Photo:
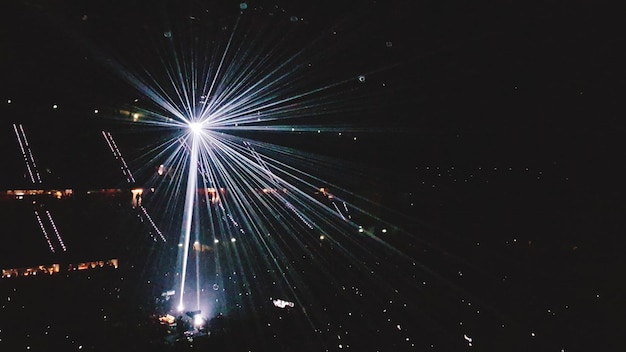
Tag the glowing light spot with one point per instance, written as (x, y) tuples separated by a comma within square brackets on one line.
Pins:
[(195, 127), (282, 303), (198, 320)]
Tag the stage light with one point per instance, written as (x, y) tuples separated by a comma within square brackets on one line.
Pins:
[(198, 320), (195, 127)]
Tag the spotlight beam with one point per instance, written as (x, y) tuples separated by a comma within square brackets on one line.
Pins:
[(192, 177)]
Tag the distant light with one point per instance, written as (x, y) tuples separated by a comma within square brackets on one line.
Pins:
[(233, 239), (95, 111), (181, 308), (216, 241), (9, 101), (282, 303), (55, 106)]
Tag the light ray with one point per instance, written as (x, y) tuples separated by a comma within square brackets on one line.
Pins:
[(190, 197), (253, 213)]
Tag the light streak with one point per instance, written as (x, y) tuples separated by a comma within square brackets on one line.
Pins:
[(56, 231), (35, 178), (45, 233), (145, 213), (131, 179), (27, 154), (118, 156)]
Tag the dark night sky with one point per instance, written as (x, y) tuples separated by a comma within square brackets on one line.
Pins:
[(503, 82), (496, 121)]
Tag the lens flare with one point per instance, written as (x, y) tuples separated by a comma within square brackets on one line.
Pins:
[(195, 127), (256, 211)]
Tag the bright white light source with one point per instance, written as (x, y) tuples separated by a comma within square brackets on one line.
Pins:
[(282, 304), (198, 320), (195, 127)]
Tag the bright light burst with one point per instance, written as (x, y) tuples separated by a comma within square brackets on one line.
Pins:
[(256, 218), (195, 127)]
